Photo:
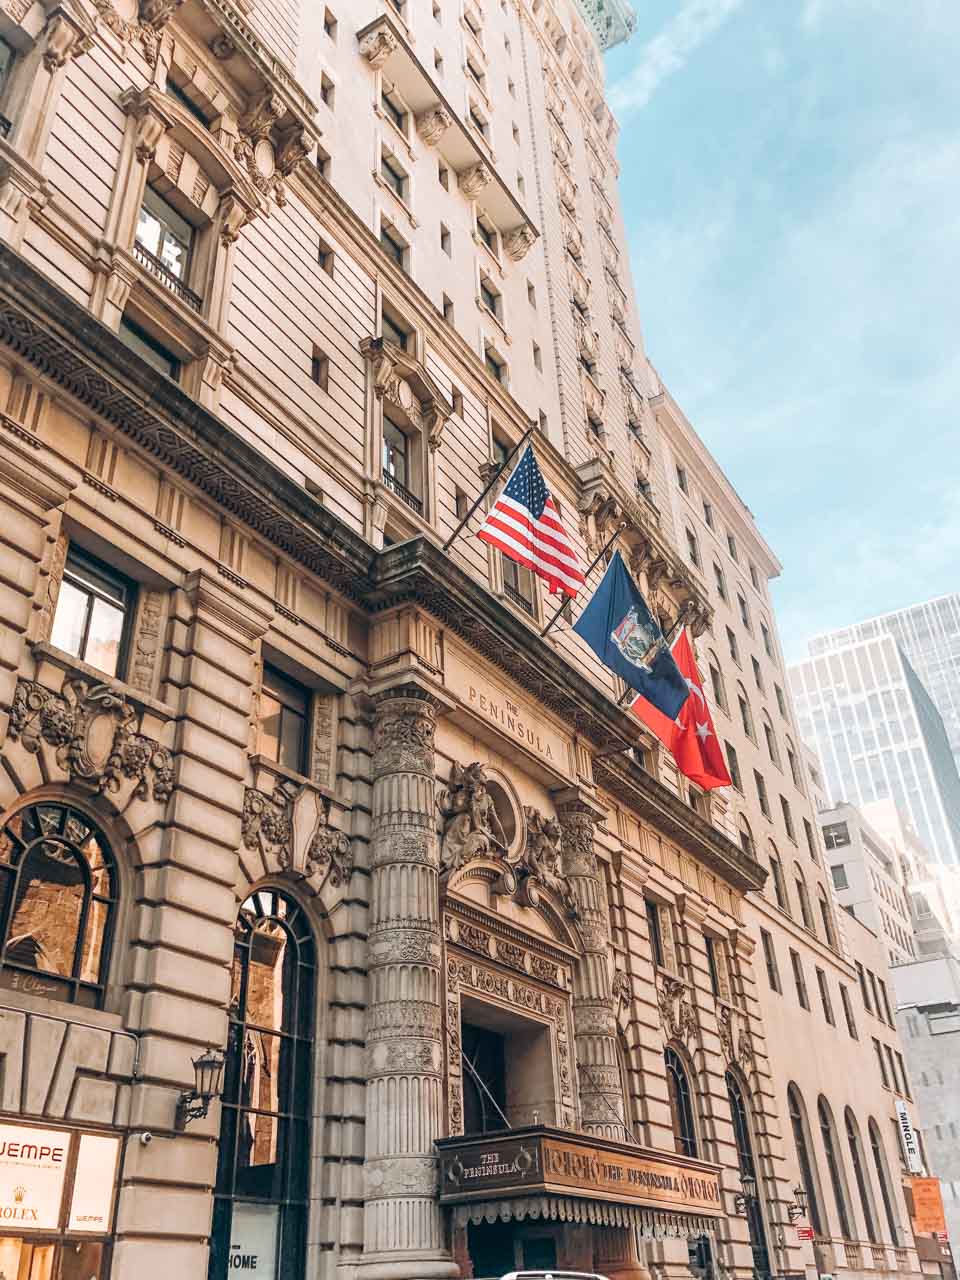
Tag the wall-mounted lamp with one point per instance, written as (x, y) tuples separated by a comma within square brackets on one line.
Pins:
[(799, 1207), (194, 1104), (749, 1194)]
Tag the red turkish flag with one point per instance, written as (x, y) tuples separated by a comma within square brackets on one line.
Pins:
[(691, 738)]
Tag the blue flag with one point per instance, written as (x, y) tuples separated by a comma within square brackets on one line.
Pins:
[(625, 636)]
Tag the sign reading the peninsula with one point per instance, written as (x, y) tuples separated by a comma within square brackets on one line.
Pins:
[(550, 1161), (515, 719)]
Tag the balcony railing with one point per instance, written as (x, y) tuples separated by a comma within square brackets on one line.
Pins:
[(903, 1259), (518, 598), (879, 1256), (403, 493), (166, 277), (853, 1255)]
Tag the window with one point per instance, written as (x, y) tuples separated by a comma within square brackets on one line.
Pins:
[(865, 994), (438, 61), (394, 330), (798, 1122), (518, 585), (836, 835), (479, 122), (767, 641), (873, 991), (781, 701), (746, 837), (811, 840), (655, 931), (710, 946), (445, 241), (148, 348), (826, 918), (806, 914), (490, 297), (393, 174), (787, 818), (94, 610), (799, 980), (770, 958), (394, 110), (770, 738), (748, 1168), (779, 885), (732, 546), (681, 1105), (320, 369), (282, 735), (496, 366), (693, 549), (329, 25), (859, 1173), (59, 889), (883, 1177), (757, 674), (531, 293), (754, 577), (794, 768), (716, 683), (733, 766), (262, 1181), (476, 75), (848, 1013), (537, 359), (762, 793), (327, 90), (721, 581), (443, 175), (903, 1077), (323, 163), (395, 247), (708, 514), (165, 234), (828, 1136), (839, 875), (885, 1002), (446, 309), (881, 1063), (732, 646), (682, 479), (743, 610), (891, 1067), (488, 234), (325, 257), (825, 997)]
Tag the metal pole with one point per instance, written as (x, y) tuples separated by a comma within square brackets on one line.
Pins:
[(493, 480), (563, 603)]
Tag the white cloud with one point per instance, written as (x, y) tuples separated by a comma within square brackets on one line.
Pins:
[(669, 50)]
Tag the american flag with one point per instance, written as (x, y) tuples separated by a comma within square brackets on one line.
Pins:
[(525, 525)]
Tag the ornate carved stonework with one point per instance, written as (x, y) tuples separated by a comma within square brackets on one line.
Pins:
[(62, 40), (471, 827), (621, 987), (403, 737), (146, 641), (57, 559), (518, 242), (677, 1016), (736, 1042), (472, 181), (93, 729), (540, 863), (279, 827), (407, 385), (433, 124), (377, 46)]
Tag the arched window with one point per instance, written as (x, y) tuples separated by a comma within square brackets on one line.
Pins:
[(716, 680), (773, 750), (826, 917), (883, 1177), (776, 875), (263, 1173), (861, 1175), (803, 896), (746, 836), (832, 1152), (748, 1169), (798, 1122), (681, 1104), (58, 890), (627, 1084), (746, 716)]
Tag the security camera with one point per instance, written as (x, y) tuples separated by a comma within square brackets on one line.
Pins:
[(146, 1139)]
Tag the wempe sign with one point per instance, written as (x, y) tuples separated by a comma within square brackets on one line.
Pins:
[(32, 1167)]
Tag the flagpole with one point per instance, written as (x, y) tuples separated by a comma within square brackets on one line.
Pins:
[(493, 480), (563, 603)]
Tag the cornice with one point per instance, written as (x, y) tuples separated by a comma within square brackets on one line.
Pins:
[(73, 349)]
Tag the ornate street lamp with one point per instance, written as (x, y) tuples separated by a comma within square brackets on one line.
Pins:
[(799, 1207), (194, 1104), (749, 1194)]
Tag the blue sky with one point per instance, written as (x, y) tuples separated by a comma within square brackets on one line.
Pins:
[(790, 173)]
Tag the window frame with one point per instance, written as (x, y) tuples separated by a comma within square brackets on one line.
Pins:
[(78, 563), (274, 683)]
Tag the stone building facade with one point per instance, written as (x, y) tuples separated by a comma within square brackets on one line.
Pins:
[(285, 778)]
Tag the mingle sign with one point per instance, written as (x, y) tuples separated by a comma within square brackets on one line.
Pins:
[(539, 1160), (911, 1147)]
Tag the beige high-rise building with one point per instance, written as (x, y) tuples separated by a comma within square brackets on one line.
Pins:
[(348, 928)]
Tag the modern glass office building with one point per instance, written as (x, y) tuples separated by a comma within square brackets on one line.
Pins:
[(864, 709)]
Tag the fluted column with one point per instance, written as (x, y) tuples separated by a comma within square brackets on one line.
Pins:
[(594, 1016), (403, 1238)]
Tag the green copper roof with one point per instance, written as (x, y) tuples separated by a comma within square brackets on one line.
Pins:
[(611, 20)]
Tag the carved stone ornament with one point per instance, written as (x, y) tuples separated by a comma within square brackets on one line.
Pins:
[(433, 124), (403, 734), (402, 381), (676, 1012), (736, 1042), (620, 988), (471, 827), (518, 242), (540, 863), (93, 729), (377, 46), (292, 827), (62, 40), (270, 157), (472, 181)]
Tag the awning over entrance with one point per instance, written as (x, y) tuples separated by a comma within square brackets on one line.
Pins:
[(650, 1223), (537, 1172)]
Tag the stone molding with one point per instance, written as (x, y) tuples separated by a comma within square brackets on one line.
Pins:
[(405, 383), (290, 826), (678, 1017), (736, 1041), (93, 730)]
